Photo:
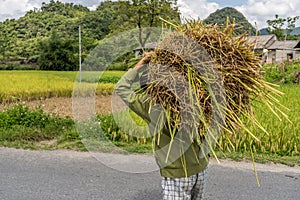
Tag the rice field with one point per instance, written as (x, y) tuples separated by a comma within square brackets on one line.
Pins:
[(29, 85), (283, 137)]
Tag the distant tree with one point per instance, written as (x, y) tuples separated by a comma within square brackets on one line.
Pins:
[(58, 53), (144, 13), (96, 24), (220, 17), (9, 36), (281, 27), (66, 9), (291, 24), (3, 41)]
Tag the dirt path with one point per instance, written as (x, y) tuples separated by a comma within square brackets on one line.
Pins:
[(63, 105)]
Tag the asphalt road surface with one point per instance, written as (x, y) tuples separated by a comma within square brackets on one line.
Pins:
[(57, 175)]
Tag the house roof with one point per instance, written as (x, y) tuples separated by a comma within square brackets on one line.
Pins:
[(288, 44), (262, 41)]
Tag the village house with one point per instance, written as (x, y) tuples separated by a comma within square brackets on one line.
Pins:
[(274, 51), (284, 51)]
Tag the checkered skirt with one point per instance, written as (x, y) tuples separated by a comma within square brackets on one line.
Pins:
[(190, 188)]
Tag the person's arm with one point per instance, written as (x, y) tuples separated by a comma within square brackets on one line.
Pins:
[(139, 103)]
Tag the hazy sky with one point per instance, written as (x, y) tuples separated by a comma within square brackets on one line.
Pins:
[(256, 11)]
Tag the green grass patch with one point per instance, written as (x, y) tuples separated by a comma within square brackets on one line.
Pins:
[(21, 127), (283, 73)]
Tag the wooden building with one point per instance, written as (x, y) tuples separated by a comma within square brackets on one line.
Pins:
[(281, 51), (274, 51)]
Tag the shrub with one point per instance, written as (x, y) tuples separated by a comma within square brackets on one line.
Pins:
[(274, 73), (20, 123)]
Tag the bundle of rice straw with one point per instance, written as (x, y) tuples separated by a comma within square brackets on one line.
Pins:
[(201, 68)]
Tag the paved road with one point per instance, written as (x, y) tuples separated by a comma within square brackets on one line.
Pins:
[(56, 175)]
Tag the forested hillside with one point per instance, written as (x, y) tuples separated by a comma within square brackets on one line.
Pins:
[(220, 17), (55, 24), (49, 36)]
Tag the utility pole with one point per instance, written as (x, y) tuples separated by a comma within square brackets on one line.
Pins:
[(80, 70)]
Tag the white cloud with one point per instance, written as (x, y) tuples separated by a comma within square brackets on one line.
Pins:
[(16, 8), (260, 11), (89, 3), (256, 11), (93, 7), (197, 8)]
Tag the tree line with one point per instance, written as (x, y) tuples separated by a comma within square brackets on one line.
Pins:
[(48, 37)]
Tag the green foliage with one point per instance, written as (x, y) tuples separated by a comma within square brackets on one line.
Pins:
[(220, 17), (67, 9), (21, 123), (275, 73), (277, 25), (109, 126), (96, 24), (139, 14), (17, 66), (293, 37), (123, 63), (20, 115), (21, 37), (4, 41), (58, 53), (119, 66), (53, 29)]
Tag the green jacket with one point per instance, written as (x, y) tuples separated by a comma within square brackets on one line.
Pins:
[(172, 162)]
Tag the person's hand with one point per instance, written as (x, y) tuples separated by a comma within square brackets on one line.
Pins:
[(145, 60)]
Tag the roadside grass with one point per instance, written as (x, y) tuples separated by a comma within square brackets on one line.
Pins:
[(260, 158), (21, 127)]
